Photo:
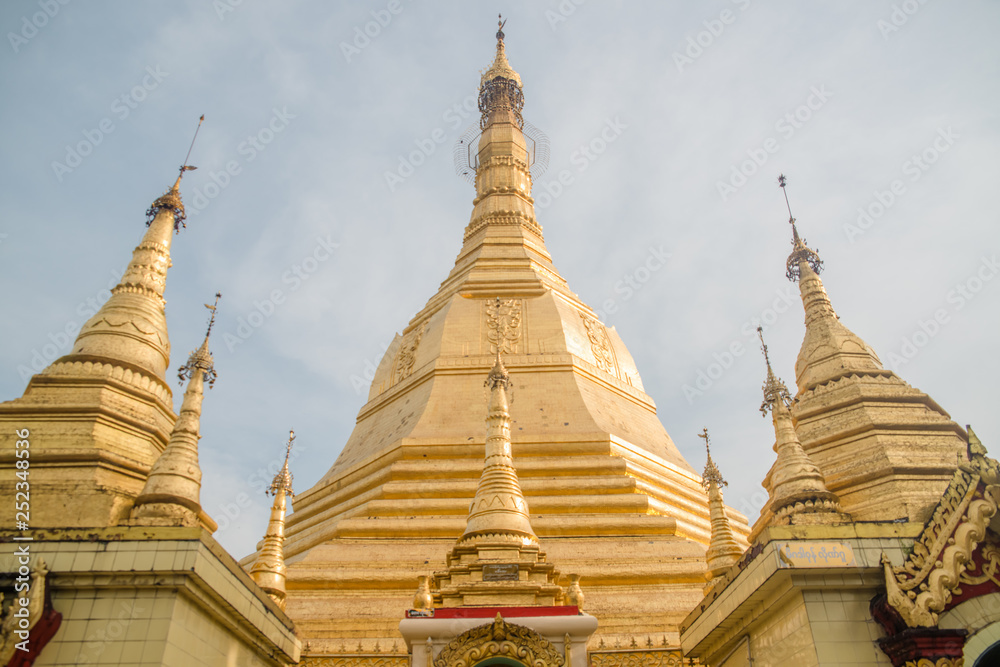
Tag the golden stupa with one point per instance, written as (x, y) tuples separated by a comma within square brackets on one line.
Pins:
[(611, 499)]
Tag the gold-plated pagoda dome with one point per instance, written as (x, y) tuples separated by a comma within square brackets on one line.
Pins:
[(269, 570)]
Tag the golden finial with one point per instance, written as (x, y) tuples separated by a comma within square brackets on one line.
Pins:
[(800, 252), (283, 480), (171, 201), (775, 390), (201, 358), (500, 86), (500, 24), (712, 473)]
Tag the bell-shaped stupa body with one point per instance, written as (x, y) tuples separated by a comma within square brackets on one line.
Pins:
[(611, 497)]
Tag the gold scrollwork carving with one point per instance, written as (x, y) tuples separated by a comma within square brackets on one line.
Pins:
[(924, 585), (600, 345), (356, 661), (407, 354), (942, 662), (503, 325), (499, 639), (652, 658)]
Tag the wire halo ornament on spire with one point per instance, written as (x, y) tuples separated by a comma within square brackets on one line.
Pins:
[(201, 359), (283, 480), (711, 473), (500, 88), (774, 389), (800, 251), (171, 200)]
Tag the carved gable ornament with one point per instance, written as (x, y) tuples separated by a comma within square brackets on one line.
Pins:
[(950, 552), (499, 639)]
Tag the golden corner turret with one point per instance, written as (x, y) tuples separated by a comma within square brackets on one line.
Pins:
[(849, 413), (103, 413), (485, 566), (171, 495), (268, 570), (723, 550)]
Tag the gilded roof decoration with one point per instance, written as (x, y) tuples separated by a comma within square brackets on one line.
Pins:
[(921, 588), (496, 640)]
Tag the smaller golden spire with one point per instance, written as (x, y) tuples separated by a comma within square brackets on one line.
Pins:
[(498, 559), (171, 495), (171, 199), (796, 483), (723, 550), (269, 570), (775, 390), (201, 359), (499, 507), (800, 251)]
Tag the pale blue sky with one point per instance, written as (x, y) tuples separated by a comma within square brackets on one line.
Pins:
[(130, 80)]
